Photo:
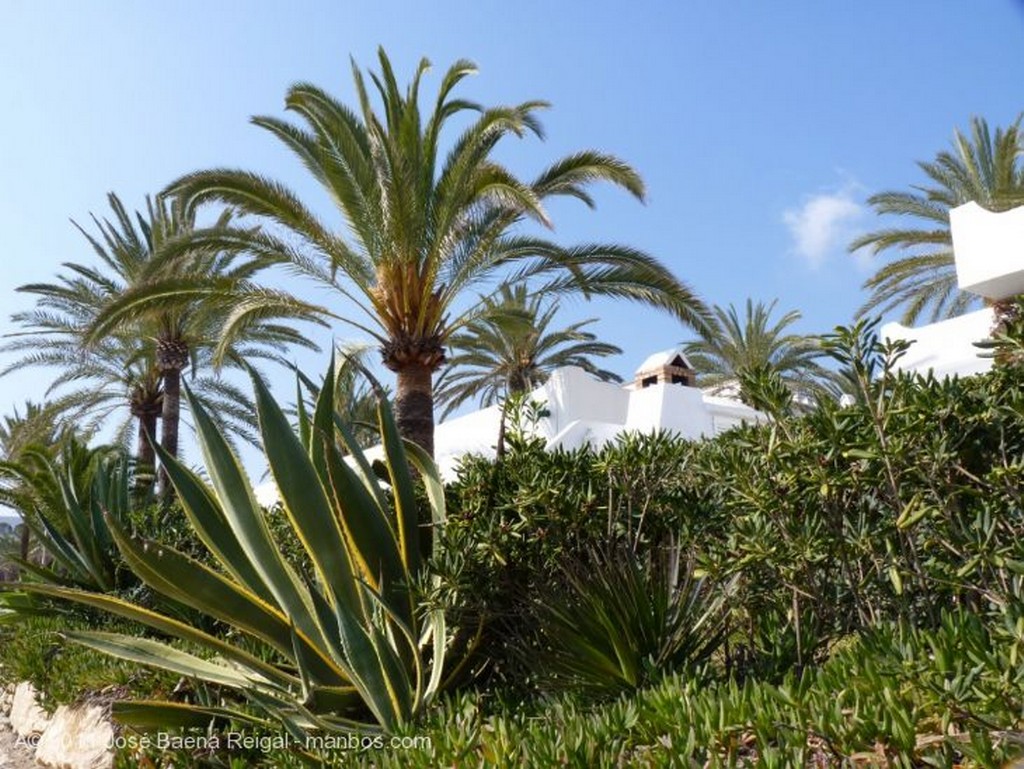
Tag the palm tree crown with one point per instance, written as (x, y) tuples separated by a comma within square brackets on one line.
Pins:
[(983, 168), (735, 345), (425, 225), (89, 324), (510, 349)]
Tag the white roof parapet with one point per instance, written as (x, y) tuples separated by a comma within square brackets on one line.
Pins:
[(945, 348), (988, 248)]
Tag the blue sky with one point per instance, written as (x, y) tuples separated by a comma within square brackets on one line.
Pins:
[(760, 128)]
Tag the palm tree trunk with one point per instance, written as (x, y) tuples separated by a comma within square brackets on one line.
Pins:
[(145, 456), (414, 405), (171, 419), (414, 413), (172, 356)]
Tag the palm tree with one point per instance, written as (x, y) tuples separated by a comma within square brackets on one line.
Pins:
[(425, 226), (38, 425), (88, 324), (180, 321), (510, 349), (103, 378), (982, 168), (736, 345)]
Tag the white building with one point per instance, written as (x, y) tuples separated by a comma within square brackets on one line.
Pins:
[(945, 348), (989, 252), (583, 410)]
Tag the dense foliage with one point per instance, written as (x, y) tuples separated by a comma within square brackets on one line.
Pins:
[(839, 585), (892, 509), (893, 697)]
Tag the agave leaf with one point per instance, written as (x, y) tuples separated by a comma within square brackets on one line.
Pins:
[(93, 560), (184, 579), (303, 497), (76, 521), (321, 428), (154, 715), (100, 533), (406, 509), (62, 550), (305, 427), (439, 637), (368, 677), (163, 624), (147, 651), (334, 699), (394, 664), (356, 453), (245, 517), (367, 530), (432, 482), (47, 575), (207, 518), (401, 691)]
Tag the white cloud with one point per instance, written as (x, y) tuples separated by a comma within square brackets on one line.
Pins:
[(823, 225)]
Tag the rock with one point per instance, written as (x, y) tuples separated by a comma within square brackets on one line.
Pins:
[(6, 697), (27, 718), (78, 737)]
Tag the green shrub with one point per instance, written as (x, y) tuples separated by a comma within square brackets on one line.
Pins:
[(894, 508), (829, 521), (515, 525)]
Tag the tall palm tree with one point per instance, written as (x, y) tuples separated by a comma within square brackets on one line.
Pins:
[(511, 349), (424, 225), (735, 345), (180, 321), (87, 324), (983, 168)]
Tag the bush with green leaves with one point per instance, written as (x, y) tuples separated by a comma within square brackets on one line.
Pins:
[(515, 525), (904, 503), (348, 645), (896, 507)]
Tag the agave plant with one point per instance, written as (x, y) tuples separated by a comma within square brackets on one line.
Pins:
[(347, 640), (626, 620), (63, 496)]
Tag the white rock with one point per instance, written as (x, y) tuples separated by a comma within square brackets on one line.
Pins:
[(6, 697), (78, 737), (27, 718)]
